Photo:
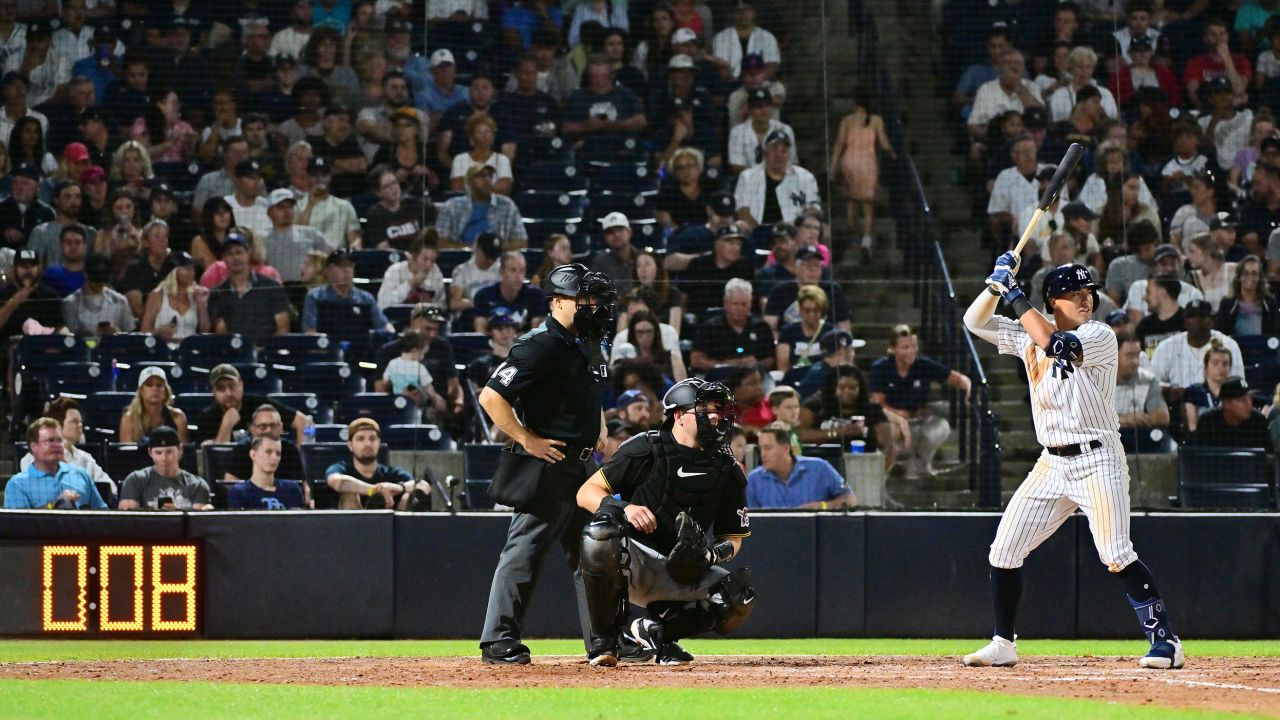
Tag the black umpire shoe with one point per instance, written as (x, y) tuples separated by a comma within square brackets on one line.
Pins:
[(603, 652), (505, 652)]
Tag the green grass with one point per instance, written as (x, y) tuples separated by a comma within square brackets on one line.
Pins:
[(43, 650), (59, 699)]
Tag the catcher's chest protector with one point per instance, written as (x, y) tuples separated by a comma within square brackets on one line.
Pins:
[(687, 479)]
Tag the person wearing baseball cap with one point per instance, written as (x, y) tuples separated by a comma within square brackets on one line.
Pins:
[(619, 257), (725, 262), (783, 244), (231, 412), (339, 308), (633, 409), (22, 211), (794, 188), (363, 482), (247, 204), (460, 221), (26, 297), (289, 244), (151, 408), (245, 301), (97, 309), (837, 347), (747, 139), (1234, 423), (480, 270), (1179, 358), (164, 485), (440, 92), (334, 216)]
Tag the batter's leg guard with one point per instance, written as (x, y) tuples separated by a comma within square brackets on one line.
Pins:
[(603, 561), (1144, 597), (732, 600)]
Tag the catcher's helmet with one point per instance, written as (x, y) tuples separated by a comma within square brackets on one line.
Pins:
[(1066, 278), (694, 394)]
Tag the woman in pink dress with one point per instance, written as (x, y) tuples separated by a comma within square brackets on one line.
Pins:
[(854, 161)]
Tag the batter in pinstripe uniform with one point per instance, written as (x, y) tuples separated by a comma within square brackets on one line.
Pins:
[(1071, 367)]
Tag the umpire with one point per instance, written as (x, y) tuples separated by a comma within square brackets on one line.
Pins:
[(553, 375)]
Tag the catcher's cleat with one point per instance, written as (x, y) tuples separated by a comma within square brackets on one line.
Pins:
[(648, 635), (997, 653), (1164, 655), (505, 652), (630, 650), (672, 654)]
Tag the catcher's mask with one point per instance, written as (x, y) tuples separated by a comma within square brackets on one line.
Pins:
[(701, 398)]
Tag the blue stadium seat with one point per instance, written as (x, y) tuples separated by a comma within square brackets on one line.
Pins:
[(550, 206), (553, 176), (536, 148), (623, 178), (179, 379), (468, 346), (101, 414), (131, 348), (794, 375), (479, 463), (1150, 441), (258, 379), (217, 459), (318, 456), (450, 258), (77, 379), (1225, 479), (372, 264), (192, 404), (1259, 349), (415, 437), (206, 351), (539, 230), (328, 381), (1263, 378), (34, 354), (398, 315), (287, 352), (385, 409), (330, 433), (306, 403), (123, 458), (533, 259)]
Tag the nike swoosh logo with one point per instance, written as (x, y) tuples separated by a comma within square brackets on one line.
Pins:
[(681, 473)]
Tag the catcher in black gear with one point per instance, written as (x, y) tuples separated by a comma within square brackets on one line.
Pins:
[(648, 546)]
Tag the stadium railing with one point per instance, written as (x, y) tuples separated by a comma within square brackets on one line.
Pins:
[(940, 326)]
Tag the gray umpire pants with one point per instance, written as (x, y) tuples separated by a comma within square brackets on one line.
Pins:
[(552, 517)]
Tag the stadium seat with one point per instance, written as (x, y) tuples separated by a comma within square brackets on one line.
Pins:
[(257, 378), (306, 403), (372, 264), (101, 414), (552, 176), (179, 379), (77, 379), (539, 230), (318, 456), (468, 346), (130, 348), (192, 404), (535, 206), (1259, 349), (536, 148), (415, 437), (217, 459), (330, 433), (623, 178), (450, 258), (1151, 441), (206, 351), (123, 458), (794, 375), (479, 463), (34, 354), (1263, 378), (385, 409), (287, 352), (328, 381), (533, 259), (832, 453), (1225, 479)]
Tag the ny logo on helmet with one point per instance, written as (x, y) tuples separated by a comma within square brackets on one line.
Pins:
[(1082, 274)]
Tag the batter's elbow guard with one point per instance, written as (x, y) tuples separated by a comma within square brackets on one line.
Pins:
[(1065, 346), (732, 599)]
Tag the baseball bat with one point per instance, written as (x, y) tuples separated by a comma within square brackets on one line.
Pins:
[(1065, 170)]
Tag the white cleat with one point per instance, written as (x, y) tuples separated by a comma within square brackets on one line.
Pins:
[(1165, 655), (998, 653)]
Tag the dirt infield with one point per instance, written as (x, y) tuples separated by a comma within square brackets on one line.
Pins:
[(1233, 684)]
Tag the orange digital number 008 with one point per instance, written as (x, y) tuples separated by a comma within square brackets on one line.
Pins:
[(115, 620)]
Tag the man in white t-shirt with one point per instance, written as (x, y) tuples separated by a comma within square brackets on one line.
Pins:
[(733, 43)]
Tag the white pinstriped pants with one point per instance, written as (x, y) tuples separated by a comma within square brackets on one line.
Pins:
[(1097, 482)]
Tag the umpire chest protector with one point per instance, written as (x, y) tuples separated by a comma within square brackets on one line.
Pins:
[(678, 479)]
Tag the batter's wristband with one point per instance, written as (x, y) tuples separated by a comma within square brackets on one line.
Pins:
[(1020, 304)]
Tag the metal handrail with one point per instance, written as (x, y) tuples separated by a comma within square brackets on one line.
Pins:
[(932, 288)]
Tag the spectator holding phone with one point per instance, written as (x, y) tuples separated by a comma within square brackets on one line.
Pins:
[(164, 485)]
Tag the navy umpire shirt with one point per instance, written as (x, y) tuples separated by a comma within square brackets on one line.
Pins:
[(550, 382)]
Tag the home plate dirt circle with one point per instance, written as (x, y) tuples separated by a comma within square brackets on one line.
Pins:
[(1231, 684)]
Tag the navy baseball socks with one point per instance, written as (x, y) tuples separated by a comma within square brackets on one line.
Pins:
[(1144, 598), (1006, 592)]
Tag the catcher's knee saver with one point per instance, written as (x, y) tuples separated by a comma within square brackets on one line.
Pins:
[(602, 562), (733, 598)]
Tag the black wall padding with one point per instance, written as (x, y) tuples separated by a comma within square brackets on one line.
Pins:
[(297, 575), (927, 577), (69, 524), (1219, 575), (842, 583)]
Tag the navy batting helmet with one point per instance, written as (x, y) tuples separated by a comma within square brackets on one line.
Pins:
[(1067, 278)]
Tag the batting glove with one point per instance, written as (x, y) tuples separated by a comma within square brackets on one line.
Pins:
[(1009, 260), (1001, 282)]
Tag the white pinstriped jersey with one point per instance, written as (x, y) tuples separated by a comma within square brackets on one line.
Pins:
[(1069, 407)]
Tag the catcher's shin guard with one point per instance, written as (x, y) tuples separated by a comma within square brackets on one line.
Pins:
[(602, 562), (732, 600)]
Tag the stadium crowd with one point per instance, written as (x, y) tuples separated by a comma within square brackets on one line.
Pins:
[(222, 223), (1175, 208)]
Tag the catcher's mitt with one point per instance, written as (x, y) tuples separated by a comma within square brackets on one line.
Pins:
[(690, 558)]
